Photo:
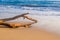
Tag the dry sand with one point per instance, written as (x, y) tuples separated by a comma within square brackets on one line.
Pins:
[(22, 33)]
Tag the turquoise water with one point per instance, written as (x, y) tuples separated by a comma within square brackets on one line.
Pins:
[(37, 5), (32, 3)]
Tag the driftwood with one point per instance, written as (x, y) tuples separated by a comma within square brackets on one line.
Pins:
[(3, 21), (18, 16)]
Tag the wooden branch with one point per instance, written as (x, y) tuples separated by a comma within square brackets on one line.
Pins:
[(6, 24), (8, 19), (34, 21)]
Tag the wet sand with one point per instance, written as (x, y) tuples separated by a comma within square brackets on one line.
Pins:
[(22, 33)]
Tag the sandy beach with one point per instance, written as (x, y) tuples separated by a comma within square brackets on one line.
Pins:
[(22, 33), (38, 31)]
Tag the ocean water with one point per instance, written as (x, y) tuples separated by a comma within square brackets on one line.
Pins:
[(43, 6)]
